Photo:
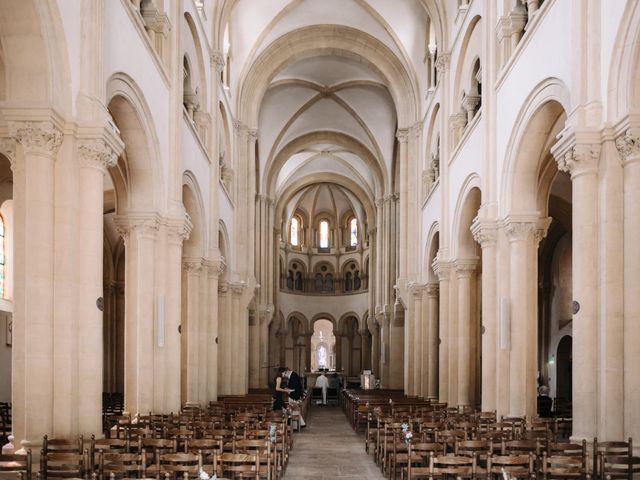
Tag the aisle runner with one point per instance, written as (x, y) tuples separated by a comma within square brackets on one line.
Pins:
[(329, 448)]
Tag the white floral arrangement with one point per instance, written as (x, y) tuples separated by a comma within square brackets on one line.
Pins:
[(205, 476), (406, 433), (272, 433)]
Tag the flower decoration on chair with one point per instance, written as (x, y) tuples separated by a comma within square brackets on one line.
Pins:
[(272, 433), (202, 475), (407, 434)]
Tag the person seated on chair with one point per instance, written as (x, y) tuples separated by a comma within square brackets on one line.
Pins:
[(544, 402), (323, 382), (295, 390)]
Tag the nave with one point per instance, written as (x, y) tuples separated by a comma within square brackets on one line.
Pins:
[(329, 448)]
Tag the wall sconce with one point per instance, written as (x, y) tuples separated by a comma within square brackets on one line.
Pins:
[(552, 360)]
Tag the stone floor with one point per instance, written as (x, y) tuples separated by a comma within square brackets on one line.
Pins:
[(329, 448)]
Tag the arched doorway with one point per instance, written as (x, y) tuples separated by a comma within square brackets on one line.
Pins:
[(323, 346), (564, 360)]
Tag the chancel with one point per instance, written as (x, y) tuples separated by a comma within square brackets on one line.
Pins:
[(432, 203)]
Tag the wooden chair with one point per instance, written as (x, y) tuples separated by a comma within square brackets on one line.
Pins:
[(560, 466), (178, 465), (240, 466), (262, 448), (612, 448), (113, 445), (17, 464), (62, 445), (624, 466), (449, 438), (118, 465), (515, 466), (62, 465), (156, 446), (444, 466)]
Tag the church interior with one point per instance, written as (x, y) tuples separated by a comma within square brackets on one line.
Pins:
[(434, 202)]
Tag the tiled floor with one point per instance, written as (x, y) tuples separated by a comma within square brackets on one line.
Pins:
[(329, 448)]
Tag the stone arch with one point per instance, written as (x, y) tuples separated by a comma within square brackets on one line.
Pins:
[(138, 176), (359, 191), (202, 81), (345, 317), (337, 40), (323, 316), (624, 68), (194, 246), (527, 173), (462, 67), (34, 54), (431, 251), (306, 326), (467, 206), (275, 164)]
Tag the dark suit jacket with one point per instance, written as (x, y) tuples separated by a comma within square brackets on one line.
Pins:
[(295, 384)]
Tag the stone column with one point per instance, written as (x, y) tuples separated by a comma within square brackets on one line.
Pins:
[(32, 349), (465, 273), (442, 270), (403, 218), (581, 161), (416, 344), (239, 339), (224, 339), (485, 233), (628, 145), (178, 231), (307, 347), (433, 290), (95, 156), (339, 337), (139, 232), (215, 268), (189, 331), (524, 233)]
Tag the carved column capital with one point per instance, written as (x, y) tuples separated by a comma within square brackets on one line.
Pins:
[(37, 137), (215, 267), (523, 228), (143, 224), (237, 288), (433, 290), (179, 229), (485, 232), (192, 266), (416, 289), (8, 149), (465, 267), (442, 62), (223, 287), (217, 59), (402, 135), (628, 146), (441, 268), (97, 153), (577, 152)]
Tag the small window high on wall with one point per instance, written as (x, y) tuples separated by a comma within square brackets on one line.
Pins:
[(295, 230), (353, 228), (324, 234)]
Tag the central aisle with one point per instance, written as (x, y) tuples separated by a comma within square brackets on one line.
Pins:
[(329, 448)]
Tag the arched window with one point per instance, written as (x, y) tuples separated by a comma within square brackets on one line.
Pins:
[(324, 234), (2, 258), (295, 229), (353, 228)]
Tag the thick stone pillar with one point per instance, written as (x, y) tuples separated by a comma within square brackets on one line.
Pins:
[(178, 231), (339, 337), (215, 268), (139, 232), (32, 349), (485, 233), (581, 161), (365, 349), (628, 145), (465, 273), (524, 233), (95, 156), (224, 339), (239, 368), (403, 217), (442, 270), (189, 331), (415, 343), (433, 291)]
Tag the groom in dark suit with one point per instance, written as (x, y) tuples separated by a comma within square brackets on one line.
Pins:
[(294, 384)]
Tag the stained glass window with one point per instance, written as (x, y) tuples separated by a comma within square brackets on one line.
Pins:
[(2, 257), (324, 234), (295, 227), (353, 226)]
